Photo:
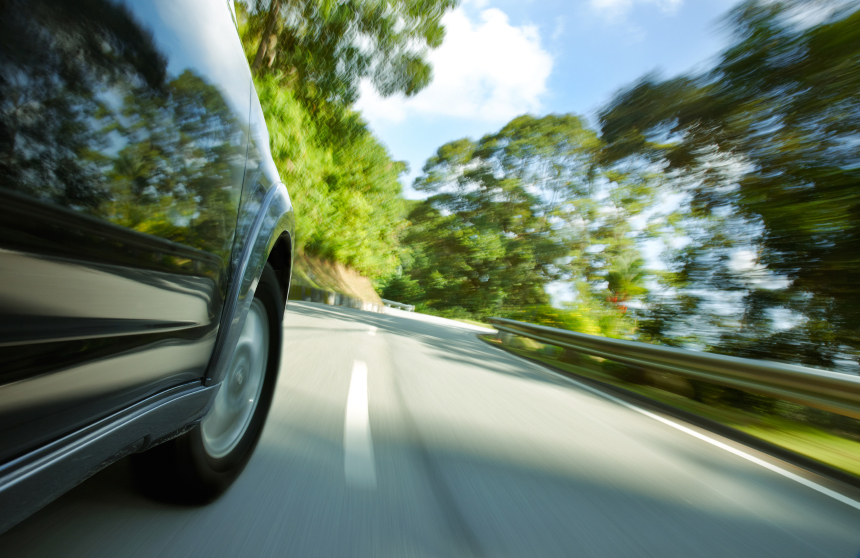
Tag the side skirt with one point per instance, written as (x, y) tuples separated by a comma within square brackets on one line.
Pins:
[(35, 479)]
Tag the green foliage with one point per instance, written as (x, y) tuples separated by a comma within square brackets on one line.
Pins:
[(325, 48), (402, 287), (574, 318), (309, 58), (747, 173), (521, 208), (764, 146), (484, 239), (346, 191)]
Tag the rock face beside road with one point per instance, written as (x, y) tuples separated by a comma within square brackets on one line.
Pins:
[(399, 435)]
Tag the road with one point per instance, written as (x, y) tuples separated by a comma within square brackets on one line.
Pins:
[(391, 436)]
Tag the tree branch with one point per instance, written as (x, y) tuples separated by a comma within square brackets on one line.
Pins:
[(267, 41)]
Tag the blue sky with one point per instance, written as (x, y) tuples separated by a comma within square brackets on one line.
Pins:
[(503, 58)]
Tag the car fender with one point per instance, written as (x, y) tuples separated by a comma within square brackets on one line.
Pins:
[(274, 222)]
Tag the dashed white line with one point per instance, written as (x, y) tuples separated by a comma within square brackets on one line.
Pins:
[(358, 464), (787, 474), (371, 331)]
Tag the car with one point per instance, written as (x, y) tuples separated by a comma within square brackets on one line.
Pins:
[(146, 245)]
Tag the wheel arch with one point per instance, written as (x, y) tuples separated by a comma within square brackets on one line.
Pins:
[(281, 260), (271, 242)]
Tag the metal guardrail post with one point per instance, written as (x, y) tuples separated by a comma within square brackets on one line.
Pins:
[(831, 391), (407, 307)]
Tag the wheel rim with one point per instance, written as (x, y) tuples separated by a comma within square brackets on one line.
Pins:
[(231, 413)]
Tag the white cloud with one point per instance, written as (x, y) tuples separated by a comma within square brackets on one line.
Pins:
[(617, 9), (489, 70)]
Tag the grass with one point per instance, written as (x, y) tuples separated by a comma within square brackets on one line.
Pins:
[(826, 447)]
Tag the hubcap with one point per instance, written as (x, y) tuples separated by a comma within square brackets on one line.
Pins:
[(234, 405)]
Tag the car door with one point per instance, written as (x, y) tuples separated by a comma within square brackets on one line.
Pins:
[(123, 141)]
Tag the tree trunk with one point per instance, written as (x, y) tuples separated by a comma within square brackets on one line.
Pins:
[(266, 42)]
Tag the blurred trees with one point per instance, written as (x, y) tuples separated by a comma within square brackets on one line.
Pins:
[(485, 237), (325, 48), (742, 179), (517, 210), (765, 148), (746, 175), (309, 58), (346, 190)]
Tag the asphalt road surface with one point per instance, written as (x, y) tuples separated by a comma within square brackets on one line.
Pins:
[(397, 436)]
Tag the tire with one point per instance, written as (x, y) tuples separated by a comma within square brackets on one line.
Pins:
[(200, 465)]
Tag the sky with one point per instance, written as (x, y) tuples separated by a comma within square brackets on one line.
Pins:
[(504, 58)]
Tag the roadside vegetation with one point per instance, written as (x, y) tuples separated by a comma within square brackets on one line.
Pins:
[(716, 211), (308, 59)]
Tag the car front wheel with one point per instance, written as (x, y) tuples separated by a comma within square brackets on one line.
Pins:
[(201, 464)]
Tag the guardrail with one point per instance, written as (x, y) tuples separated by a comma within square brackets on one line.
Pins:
[(830, 391), (407, 307)]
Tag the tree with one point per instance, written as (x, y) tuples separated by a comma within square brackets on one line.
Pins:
[(497, 198), (325, 48), (346, 189), (780, 109), (518, 209)]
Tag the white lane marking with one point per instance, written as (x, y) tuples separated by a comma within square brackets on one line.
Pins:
[(371, 331), (787, 474), (358, 464)]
